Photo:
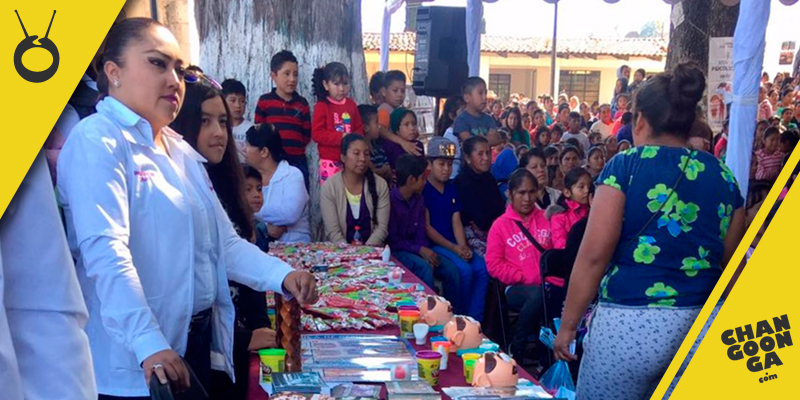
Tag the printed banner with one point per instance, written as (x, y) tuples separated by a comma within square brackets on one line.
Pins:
[(720, 81)]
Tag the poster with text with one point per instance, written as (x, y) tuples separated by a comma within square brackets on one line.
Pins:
[(720, 81)]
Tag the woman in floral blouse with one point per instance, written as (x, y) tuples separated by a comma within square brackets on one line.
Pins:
[(670, 220)]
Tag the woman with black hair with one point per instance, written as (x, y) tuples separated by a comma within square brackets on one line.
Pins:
[(205, 123), (670, 220), (535, 162), (519, 135), (481, 202), (154, 246), (285, 208), (516, 242), (355, 202)]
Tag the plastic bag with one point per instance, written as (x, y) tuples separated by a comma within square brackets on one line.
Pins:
[(547, 337), (558, 376), (564, 393)]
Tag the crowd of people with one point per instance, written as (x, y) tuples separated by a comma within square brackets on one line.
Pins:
[(171, 198)]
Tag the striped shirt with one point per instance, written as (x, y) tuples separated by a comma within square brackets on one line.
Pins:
[(769, 165), (292, 119)]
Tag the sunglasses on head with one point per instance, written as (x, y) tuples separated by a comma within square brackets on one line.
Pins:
[(194, 76)]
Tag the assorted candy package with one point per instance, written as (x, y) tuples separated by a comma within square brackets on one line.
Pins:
[(357, 290)]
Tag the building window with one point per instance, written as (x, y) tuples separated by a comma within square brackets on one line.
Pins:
[(500, 84), (584, 84)]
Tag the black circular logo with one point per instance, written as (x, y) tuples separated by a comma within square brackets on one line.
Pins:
[(27, 44)]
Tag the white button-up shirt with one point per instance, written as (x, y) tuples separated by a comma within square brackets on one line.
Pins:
[(44, 352), (131, 228)]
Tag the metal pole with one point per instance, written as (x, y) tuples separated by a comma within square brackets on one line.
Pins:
[(553, 54), (154, 9)]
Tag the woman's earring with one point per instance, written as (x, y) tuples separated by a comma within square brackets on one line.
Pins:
[(116, 83)]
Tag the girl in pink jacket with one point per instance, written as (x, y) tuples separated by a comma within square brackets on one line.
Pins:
[(516, 242), (571, 207)]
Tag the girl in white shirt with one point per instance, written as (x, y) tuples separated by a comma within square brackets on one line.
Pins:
[(154, 246)]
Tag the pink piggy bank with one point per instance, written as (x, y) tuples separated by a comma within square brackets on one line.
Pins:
[(495, 370), (463, 332), (436, 311)]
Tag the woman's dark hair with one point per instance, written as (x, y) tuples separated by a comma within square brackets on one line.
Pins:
[(757, 191), (372, 186), (119, 37), (332, 72), (771, 131), (532, 153), (376, 83), (518, 177), (668, 100), (570, 180), (624, 86), (515, 111), (569, 149), (557, 127), (266, 136), (595, 149), (451, 106), (550, 151), (539, 132), (471, 143), (226, 176)]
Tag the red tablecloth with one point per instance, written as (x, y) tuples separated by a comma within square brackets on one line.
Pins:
[(453, 376)]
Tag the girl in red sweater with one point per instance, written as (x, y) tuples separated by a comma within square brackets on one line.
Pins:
[(335, 115)]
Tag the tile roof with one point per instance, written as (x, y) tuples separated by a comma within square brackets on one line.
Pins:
[(643, 47)]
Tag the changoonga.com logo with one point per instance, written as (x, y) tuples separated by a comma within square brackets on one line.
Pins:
[(764, 341), (30, 42)]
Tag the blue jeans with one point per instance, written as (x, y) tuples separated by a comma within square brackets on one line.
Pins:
[(474, 281), (446, 272)]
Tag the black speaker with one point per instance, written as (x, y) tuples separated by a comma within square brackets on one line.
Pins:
[(440, 64)]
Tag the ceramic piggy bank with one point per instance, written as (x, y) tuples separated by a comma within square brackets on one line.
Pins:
[(436, 311), (495, 370), (463, 332)]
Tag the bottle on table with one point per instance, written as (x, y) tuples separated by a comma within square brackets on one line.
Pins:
[(357, 236)]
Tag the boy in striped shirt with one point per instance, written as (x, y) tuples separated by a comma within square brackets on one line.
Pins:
[(287, 110)]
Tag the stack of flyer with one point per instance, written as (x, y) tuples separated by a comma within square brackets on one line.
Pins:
[(411, 390), (299, 382)]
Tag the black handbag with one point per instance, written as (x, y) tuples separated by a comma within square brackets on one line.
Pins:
[(160, 391)]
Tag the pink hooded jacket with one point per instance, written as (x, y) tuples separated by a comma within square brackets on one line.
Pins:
[(562, 220), (510, 257)]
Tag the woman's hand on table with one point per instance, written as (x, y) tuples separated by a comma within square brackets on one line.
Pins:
[(168, 366), (561, 347), (302, 285), (262, 338)]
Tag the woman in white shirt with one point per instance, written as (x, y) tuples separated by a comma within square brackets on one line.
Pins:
[(154, 246), (285, 208)]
